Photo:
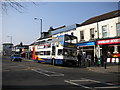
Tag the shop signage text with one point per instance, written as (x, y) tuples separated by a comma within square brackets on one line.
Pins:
[(108, 41)]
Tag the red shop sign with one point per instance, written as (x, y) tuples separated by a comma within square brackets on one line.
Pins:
[(108, 41)]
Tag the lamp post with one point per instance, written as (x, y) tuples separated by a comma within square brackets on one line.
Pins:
[(10, 38), (98, 46), (40, 25)]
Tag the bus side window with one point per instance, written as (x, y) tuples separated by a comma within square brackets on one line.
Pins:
[(47, 52), (36, 53), (42, 53), (60, 52)]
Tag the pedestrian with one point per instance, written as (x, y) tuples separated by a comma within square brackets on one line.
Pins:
[(102, 60), (89, 60), (79, 59), (84, 58), (96, 59), (105, 61)]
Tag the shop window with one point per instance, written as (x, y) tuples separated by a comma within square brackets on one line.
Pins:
[(104, 31), (118, 29), (92, 33), (81, 35)]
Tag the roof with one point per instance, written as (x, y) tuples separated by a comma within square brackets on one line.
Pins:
[(52, 29), (64, 29), (102, 17), (21, 46), (31, 44), (45, 32), (7, 44)]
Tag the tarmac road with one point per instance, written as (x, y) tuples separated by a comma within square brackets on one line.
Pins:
[(36, 76)]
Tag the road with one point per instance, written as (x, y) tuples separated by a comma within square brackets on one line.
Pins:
[(36, 76)]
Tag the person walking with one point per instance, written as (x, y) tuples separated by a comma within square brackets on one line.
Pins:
[(96, 59), (105, 61), (79, 59), (89, 60), (102, 59), (84, 58)]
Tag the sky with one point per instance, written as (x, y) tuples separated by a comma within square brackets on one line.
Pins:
[(23, 28)]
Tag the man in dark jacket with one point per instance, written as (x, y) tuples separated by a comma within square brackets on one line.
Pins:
[(79, 59)]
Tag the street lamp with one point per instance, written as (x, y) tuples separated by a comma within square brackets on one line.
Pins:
[(10, 38), (40, 25)]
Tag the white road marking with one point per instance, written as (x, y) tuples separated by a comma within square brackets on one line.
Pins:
[(42, 71), (98, 81), (75, 82), (108, 87), (46, 72)]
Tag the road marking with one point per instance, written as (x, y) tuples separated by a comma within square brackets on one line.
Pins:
[(47, 73), (76, 82), (107, 87), (42, 71), (98, 81)]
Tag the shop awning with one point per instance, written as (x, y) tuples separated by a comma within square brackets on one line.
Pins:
[(86, 44)]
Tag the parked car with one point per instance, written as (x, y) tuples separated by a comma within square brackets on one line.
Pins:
[(16, 57)]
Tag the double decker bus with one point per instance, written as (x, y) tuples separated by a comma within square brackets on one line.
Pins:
[(58, 50)]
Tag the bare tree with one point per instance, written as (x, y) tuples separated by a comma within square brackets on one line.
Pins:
[(6, 4)]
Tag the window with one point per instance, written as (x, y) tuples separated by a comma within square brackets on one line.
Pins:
[(72, 33), (36, 53), (47, 52), (92, 33), (42, 53), (118, 29), (104, 31), (67, 39), (60, 51), (81, 35), (68, 52)]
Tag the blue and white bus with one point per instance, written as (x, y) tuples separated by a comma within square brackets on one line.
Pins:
[(58, 50)]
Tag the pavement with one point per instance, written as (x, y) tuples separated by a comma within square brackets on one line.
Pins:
[(115, 69)]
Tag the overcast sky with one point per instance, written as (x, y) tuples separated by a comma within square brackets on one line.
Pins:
[(23, 28)]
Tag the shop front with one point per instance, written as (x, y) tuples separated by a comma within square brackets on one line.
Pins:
[(88, 48), (111, 45)]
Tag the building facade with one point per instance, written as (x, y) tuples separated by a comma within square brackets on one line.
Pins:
[(7, 49), (100, 34)]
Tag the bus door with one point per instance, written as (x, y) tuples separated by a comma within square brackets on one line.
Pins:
[(53, 54)]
